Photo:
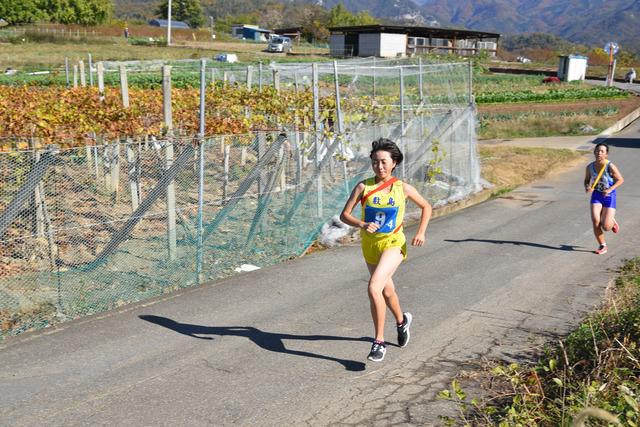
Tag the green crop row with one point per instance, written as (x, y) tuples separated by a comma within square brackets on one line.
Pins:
[(549, 95), (507, 117)]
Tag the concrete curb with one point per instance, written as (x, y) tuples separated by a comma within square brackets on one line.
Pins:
[(621, 124)]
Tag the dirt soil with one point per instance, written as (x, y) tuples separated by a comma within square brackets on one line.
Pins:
[(625, 106)]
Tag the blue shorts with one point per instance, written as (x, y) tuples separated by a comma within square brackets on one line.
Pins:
[(606, 201)]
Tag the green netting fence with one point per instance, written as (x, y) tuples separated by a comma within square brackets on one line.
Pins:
[(89, 229)]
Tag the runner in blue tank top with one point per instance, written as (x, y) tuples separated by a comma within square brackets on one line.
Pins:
[(601, 179)]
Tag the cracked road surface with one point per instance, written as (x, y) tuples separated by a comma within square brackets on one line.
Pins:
[(286, 345)]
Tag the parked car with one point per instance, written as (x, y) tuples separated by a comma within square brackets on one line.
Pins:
[(279, 44)]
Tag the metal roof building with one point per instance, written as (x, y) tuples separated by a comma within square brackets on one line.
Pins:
[(399, 40), (164, 23)]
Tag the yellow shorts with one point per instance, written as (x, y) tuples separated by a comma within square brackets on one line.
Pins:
[(372, 247)]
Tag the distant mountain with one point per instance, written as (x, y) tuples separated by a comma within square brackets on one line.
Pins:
[(580, 21), (590, 22), (397, 10)]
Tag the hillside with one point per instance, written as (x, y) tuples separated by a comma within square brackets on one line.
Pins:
[(589, 22), (580, 21)]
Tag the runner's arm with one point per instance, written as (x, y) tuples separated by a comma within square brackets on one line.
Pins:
[(587, 180), (617, 178), (346, 215), (413, 195)]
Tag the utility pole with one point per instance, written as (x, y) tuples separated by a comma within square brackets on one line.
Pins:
[(169, 24)]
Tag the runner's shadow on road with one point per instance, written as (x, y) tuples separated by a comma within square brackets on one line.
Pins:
[(267, 340), (566, 248)]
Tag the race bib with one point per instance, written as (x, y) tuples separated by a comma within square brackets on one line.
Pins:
[(384, 217)]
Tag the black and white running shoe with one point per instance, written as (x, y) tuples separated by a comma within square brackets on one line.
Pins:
[(377, 352), (403, 330)]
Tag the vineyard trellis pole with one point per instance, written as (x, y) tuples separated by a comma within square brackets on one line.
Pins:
[(133, 174), (66, 70), (124, 86), (171, 194), (249, 73), (75, 76), (90, 70), (101, 80), (83, 76), (276, 80)]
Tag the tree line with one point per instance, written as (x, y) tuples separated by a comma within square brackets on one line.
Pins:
[(84, 12), (314, 20)]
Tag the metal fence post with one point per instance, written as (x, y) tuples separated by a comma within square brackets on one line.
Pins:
[(470, 81), (66, 70), (402, 128), (316, 134), (199, 260), (374, 77), (420, 78), (171, 192), (340, 127)]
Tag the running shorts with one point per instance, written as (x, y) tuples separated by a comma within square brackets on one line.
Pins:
[(372, 247), (606, 201)]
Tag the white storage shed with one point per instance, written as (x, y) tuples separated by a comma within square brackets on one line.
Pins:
[(572, 67)]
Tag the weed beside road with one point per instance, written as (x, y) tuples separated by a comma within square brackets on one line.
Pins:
[(592, 373)]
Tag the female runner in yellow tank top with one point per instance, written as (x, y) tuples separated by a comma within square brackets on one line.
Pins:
[(383, 242)]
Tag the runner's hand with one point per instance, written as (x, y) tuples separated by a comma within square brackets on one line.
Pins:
[(371, 227), (418, 240)]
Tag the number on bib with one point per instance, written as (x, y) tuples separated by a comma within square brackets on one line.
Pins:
[(380, 217)]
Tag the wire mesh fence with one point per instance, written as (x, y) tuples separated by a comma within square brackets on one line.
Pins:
[(88, 229)]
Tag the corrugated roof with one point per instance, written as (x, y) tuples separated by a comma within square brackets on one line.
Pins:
[(165, 23), (415, 31)]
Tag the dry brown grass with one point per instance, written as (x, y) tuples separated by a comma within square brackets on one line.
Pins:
[(510, 167)]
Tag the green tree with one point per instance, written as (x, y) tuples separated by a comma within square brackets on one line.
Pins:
[(84, 12), (340, 16), (22, 11), (188, 11)]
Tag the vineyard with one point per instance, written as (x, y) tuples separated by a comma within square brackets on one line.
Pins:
[(114, 196)]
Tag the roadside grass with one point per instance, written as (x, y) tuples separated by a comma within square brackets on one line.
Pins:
[(592, 373), (541, 125), (511, 167)]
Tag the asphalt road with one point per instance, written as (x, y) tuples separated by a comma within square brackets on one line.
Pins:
[(286, 345)]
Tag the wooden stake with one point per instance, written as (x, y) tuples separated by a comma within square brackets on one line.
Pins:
[(124, 87)]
